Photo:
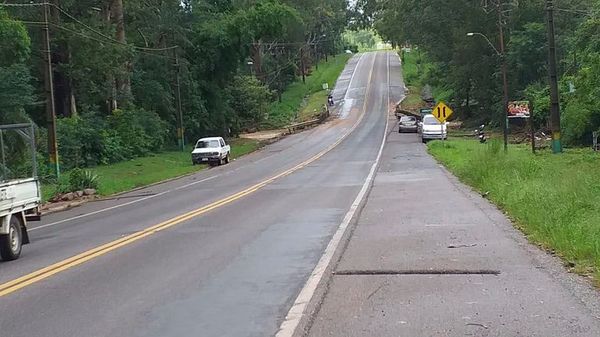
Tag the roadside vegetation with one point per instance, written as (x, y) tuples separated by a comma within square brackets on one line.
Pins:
[(552, 199), (465, 71), (138, 172), (122, 69), (362, 39), (299, 100)]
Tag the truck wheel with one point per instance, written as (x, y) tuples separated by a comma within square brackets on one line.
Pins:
[(227, 159), (10, 244)]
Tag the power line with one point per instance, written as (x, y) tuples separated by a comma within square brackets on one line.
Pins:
[(40, 23), (575, 11), (88, 27)]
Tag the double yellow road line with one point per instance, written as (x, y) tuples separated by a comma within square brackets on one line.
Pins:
[(81, 258)]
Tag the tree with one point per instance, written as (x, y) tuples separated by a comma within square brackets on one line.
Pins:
[(16, 91), (250, 100)]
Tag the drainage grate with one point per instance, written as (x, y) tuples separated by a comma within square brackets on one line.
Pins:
[(420, 272)]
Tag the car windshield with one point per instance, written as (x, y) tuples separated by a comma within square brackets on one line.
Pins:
[(430, 120), (407, 119), (202, 144)]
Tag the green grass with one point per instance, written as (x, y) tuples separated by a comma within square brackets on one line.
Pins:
[(298, 94), (410, 71), (312, 106), (144, 171), (553, 199), (413, 100)]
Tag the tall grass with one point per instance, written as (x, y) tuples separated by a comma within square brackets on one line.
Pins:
[(142, 171), (292, 100), (553, 199)]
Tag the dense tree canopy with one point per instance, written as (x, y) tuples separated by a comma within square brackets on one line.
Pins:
[(468, 68), (117, 62)]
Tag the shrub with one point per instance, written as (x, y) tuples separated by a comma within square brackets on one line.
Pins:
[(81, 179), (90, 139), (141, 132), (79, 142)]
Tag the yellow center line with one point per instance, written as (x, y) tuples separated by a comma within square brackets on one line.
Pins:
[(43, 273)]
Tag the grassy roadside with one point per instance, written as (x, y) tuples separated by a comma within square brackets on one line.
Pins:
[(410, 71), (417, 70), (552, 199), (144, 171), (300, 99), (299, 102)]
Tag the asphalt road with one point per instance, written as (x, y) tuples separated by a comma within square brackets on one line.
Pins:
[(429, 257), (252, 233)]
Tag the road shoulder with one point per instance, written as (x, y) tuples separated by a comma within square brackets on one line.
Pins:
[(429, 257)]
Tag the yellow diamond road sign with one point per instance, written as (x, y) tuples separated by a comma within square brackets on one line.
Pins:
[(442, 112)]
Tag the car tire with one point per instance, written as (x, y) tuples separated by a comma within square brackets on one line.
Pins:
[(11, 243), (227, 158)]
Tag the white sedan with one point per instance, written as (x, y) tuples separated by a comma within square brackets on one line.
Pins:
[(430, 128)]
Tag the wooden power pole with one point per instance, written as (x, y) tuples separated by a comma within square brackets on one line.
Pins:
[(50, 105), (553, 77)]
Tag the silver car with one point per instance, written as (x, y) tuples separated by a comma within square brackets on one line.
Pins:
[(407, 124)]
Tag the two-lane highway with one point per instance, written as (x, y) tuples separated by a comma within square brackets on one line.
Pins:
[(220, 253)]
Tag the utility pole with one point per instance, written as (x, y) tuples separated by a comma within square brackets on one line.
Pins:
[(504, 77), (553, 76), (180, 130), (302, 66), (50, 106)]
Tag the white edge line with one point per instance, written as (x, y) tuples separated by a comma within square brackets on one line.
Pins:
[(121, 205), (292, 319), (353, 73)]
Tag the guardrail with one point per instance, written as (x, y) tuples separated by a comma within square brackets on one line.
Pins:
[(303, 125)]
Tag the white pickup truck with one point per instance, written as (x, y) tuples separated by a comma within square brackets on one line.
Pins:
[(212, 150), (20, 198)]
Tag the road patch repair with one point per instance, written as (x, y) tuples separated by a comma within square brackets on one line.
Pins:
[(446, 263)]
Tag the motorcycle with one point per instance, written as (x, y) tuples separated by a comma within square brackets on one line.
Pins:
[(480, 133), (330, 100)]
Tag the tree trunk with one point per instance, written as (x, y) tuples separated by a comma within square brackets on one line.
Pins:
[(111, 98), (257, 60), (122, 82), (64, 96)]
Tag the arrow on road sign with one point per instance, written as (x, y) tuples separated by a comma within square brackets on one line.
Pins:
[(442, 112)]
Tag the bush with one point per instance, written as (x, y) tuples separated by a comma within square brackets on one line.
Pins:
[(81, 179), (90, 139), (141, 132), (250, 100), (79, 142)]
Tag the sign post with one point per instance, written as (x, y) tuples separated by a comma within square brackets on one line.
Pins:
[(522, 109), (442, 112)]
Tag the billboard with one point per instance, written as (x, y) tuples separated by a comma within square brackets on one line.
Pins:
[(519, 109)]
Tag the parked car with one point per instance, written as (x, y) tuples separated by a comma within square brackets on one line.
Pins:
[(407, 124), (211, 150), (430, 128)]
